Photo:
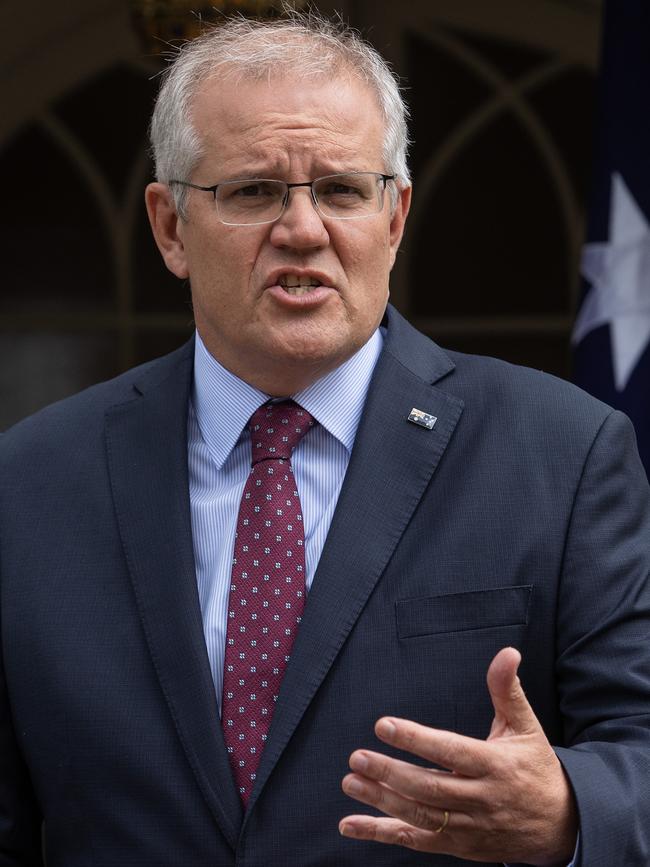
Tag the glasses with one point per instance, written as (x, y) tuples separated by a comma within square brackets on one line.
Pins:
[(253, 201)]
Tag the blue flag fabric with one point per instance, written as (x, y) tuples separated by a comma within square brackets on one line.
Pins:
[(612, 331)]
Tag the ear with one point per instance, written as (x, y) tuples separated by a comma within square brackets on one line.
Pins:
[(167, 228), (398, 220)]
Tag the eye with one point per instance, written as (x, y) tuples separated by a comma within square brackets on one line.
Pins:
[(347, 192), (339, 187), (250, 190), (253, 190)]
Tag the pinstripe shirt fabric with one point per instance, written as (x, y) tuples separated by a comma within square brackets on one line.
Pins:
[(219, 456)]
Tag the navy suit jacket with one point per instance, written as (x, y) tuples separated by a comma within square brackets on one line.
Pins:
[(522, 518)]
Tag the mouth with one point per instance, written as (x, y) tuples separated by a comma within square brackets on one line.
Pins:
[(294, 285), (299, 291)]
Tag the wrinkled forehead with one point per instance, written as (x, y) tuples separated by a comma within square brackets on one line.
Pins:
[(333, 125), (230, 99), (288, 128)]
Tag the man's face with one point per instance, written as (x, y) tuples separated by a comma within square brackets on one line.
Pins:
[(295, 131)]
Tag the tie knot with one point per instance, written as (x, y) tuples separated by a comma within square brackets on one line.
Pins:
[(276, 429)]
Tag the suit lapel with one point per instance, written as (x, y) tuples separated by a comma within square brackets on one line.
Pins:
[(391, 465), (147, 451)]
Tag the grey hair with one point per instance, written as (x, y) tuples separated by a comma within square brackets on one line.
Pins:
[(301, 43)]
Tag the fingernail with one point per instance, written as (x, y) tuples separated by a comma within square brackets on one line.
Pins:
[(385, 728), (358, 762), (346, 829), (353, 787)]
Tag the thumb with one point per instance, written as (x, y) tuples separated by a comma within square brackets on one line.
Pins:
[(512, 713)]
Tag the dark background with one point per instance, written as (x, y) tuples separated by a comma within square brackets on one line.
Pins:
[(502, 98)]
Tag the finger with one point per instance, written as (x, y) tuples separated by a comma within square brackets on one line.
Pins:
[(395, 832), (424, 816), (513, 713), (421, 784), (466, 756), (427, 817)]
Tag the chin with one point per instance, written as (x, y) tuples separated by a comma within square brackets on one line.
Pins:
[(311, 355)]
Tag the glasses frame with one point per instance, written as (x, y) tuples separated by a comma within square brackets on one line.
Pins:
[(285, 199)]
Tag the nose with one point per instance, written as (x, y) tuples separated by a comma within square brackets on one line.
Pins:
[(300, 226)]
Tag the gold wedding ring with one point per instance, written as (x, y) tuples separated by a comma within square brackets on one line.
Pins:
[(445, 821)]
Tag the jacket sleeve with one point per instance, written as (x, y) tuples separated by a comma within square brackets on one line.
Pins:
[(603, 651), (20, 819)]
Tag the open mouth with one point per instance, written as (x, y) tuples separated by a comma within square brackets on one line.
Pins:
[(294, 285)]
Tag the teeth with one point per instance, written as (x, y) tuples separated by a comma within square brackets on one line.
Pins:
[(292, 281), (298, 290)]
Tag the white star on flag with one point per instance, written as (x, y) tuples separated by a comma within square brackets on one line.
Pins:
[(619, 273)]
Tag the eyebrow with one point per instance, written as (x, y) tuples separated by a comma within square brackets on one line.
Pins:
[(274, 174)]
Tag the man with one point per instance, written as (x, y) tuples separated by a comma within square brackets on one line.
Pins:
[(461, 516)]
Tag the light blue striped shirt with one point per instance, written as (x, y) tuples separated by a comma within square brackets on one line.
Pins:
[(219, 454)]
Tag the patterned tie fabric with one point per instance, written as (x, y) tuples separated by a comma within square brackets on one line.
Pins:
[(267, 591)]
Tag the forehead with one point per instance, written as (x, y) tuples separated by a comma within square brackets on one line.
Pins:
[(284, 120)]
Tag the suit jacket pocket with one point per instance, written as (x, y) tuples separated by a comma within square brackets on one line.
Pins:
[(460, 612)]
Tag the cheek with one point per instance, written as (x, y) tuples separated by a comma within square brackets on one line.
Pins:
[(223, 266), (372, 266)]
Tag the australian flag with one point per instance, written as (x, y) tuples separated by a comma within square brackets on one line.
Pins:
[(611, 336)]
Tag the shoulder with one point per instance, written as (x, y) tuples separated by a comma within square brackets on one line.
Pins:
[(493, 384), (512, 411), (81, 417), (527, 416), (490, 387)]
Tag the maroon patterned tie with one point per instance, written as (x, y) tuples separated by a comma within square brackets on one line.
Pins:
[(267, 590)]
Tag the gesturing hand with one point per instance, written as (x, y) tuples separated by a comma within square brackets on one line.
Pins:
[(504, 799)]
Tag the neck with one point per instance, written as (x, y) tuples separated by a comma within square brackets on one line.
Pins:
[(285, 380), (281, 377)]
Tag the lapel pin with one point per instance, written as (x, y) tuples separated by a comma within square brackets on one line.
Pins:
[(417, 416)]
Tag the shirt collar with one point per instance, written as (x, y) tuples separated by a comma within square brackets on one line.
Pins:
[(336, 400), (223, 403)]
